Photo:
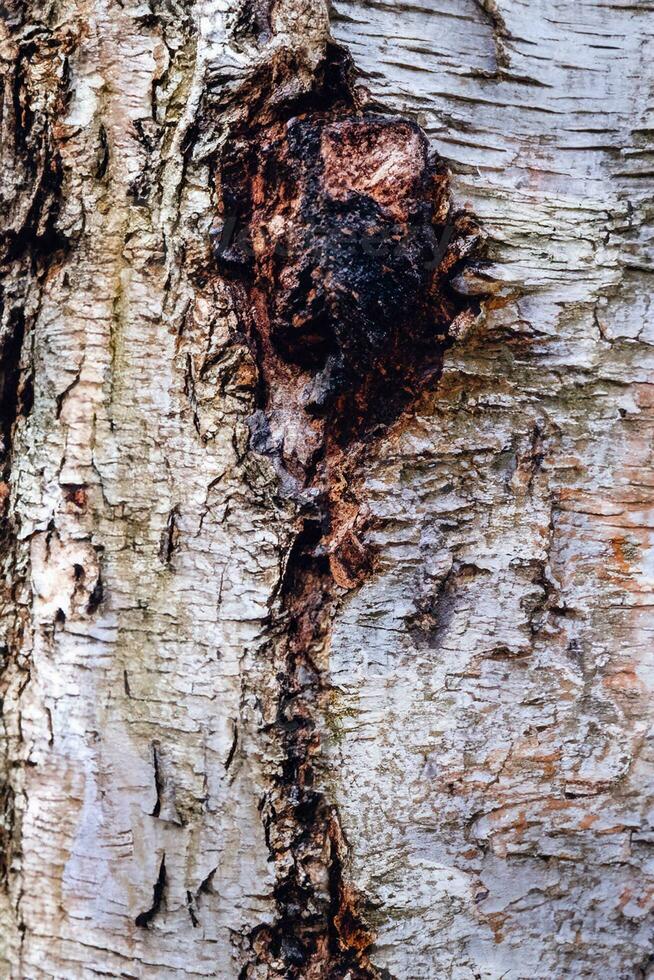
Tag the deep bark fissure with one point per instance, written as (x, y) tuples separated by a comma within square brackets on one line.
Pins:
[(347, 271), (143, 919)]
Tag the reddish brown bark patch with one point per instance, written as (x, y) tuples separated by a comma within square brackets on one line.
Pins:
[(337, 236), (383, 159), (337, 224)]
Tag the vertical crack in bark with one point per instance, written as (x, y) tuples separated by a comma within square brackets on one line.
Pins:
[(501, 34), (143, 919), (336, 232), (158, 780)]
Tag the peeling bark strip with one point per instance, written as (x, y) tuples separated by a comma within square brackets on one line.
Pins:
[(337, 233)]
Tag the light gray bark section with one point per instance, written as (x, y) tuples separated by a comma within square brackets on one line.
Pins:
[(492, 724)]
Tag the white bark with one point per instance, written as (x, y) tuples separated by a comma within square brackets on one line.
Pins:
[(494, 770), (486, 732)]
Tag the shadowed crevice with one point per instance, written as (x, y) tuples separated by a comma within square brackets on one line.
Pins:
[(338, 240), (144, 919)]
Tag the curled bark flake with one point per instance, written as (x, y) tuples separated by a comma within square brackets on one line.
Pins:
[(144, 919)]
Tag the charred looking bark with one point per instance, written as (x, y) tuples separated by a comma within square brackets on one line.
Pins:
[(336, 232), (337, 222)]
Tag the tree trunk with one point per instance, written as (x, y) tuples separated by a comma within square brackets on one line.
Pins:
[(327, 489)]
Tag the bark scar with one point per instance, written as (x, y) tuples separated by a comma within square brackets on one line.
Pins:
[(336, 231)]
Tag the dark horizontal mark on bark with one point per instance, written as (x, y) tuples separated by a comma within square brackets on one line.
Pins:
[(233, 243)]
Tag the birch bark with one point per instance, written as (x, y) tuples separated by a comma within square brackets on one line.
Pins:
[(478, 704)]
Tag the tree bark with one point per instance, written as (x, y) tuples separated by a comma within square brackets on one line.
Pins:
[(326, 562)]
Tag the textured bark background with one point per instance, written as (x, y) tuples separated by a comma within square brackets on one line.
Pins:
[(425, 750)]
